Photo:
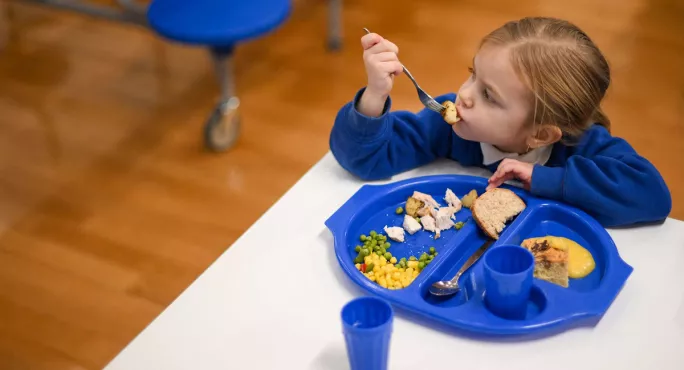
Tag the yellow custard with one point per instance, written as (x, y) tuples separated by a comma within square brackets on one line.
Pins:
[(580, 261)]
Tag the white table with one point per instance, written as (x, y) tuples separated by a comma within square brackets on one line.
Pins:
[(252, 309)]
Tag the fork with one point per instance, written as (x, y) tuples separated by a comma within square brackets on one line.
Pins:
[(424, 97)]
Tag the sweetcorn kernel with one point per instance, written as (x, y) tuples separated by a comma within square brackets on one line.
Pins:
[(393, 260), (358, 266)]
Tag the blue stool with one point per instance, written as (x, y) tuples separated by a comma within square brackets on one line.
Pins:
[(219, 25)]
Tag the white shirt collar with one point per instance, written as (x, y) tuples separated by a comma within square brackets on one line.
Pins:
[(535, 156)]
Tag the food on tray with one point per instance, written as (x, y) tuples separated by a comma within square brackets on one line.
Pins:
[(468, 200), (373, 244), (389, 273), (494, 208), (458, 225), (429, 223), (444, 219), (426, 199), (452, 200), (413, 205), (550, 261), (395, 233), (399, 210), (430, 214), (450, 114), (411, 225), (580, 261)]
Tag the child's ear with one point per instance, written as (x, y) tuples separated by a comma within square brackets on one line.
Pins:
[(546, 135)]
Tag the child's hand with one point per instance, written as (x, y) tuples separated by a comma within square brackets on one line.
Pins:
[(382, 64), (510, 169)]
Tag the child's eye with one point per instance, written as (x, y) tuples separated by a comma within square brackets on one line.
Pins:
[(486, 95)]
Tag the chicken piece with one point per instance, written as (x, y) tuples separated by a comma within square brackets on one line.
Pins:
[(411, 225), (443, 220), (413, 205), (395, 233), (428, 223), (452, 200), (425, 211), (425, 198), (450, 114)]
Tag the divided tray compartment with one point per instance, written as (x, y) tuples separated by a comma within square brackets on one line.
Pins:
[(550, 307)]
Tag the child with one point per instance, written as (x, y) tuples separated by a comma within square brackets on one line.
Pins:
[(529, 111)]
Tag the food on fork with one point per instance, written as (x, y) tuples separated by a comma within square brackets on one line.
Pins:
[(494, 208), (450, 114)]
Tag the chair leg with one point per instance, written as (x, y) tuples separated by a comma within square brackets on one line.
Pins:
[(223, 126), (334, 25)]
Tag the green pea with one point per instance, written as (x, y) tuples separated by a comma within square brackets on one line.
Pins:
[(398, 265), (417, 218), (458, 225), (369, 267), (357, 249), (436, 253), (373, 233), (431, 257), (427, 262), (432, 250), (399, 210), (403, 260), (365, 251), (386, 245), (422, 258), (402, 264), (388, 256), (421, 265), (413, 258), (379, 253), (363, 238), (358, 259)]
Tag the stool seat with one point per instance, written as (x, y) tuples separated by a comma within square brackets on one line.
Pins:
[(216, 23)]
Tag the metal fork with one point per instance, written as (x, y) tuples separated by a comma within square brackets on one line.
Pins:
[(424, 97)]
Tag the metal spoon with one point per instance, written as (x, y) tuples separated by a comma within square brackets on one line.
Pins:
[(445, 288)]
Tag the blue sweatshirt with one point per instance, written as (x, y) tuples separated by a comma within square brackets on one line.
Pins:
[(601, 174)]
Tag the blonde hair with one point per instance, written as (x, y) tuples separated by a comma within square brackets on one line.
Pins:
[(563, 68)]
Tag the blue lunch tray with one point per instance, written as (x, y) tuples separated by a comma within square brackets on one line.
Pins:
[(551, 307)]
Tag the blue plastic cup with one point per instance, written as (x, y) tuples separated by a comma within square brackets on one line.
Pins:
[(508, 272), (367, 328)]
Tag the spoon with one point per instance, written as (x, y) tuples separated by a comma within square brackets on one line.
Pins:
[(445, 288)]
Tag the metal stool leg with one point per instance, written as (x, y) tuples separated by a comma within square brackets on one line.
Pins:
[(334, 25), (223, 126)]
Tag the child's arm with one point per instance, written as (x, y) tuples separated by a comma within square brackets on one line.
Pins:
[(378, 147), (609, 180)]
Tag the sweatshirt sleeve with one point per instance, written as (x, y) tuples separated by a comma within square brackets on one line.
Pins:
[(378, 148), (609, 180)]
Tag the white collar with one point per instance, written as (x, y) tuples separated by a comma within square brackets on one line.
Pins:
[(492, 155)]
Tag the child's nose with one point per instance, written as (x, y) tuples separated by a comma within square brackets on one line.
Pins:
[(465, 100)]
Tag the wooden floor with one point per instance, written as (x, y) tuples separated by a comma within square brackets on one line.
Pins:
[(109, 207)]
